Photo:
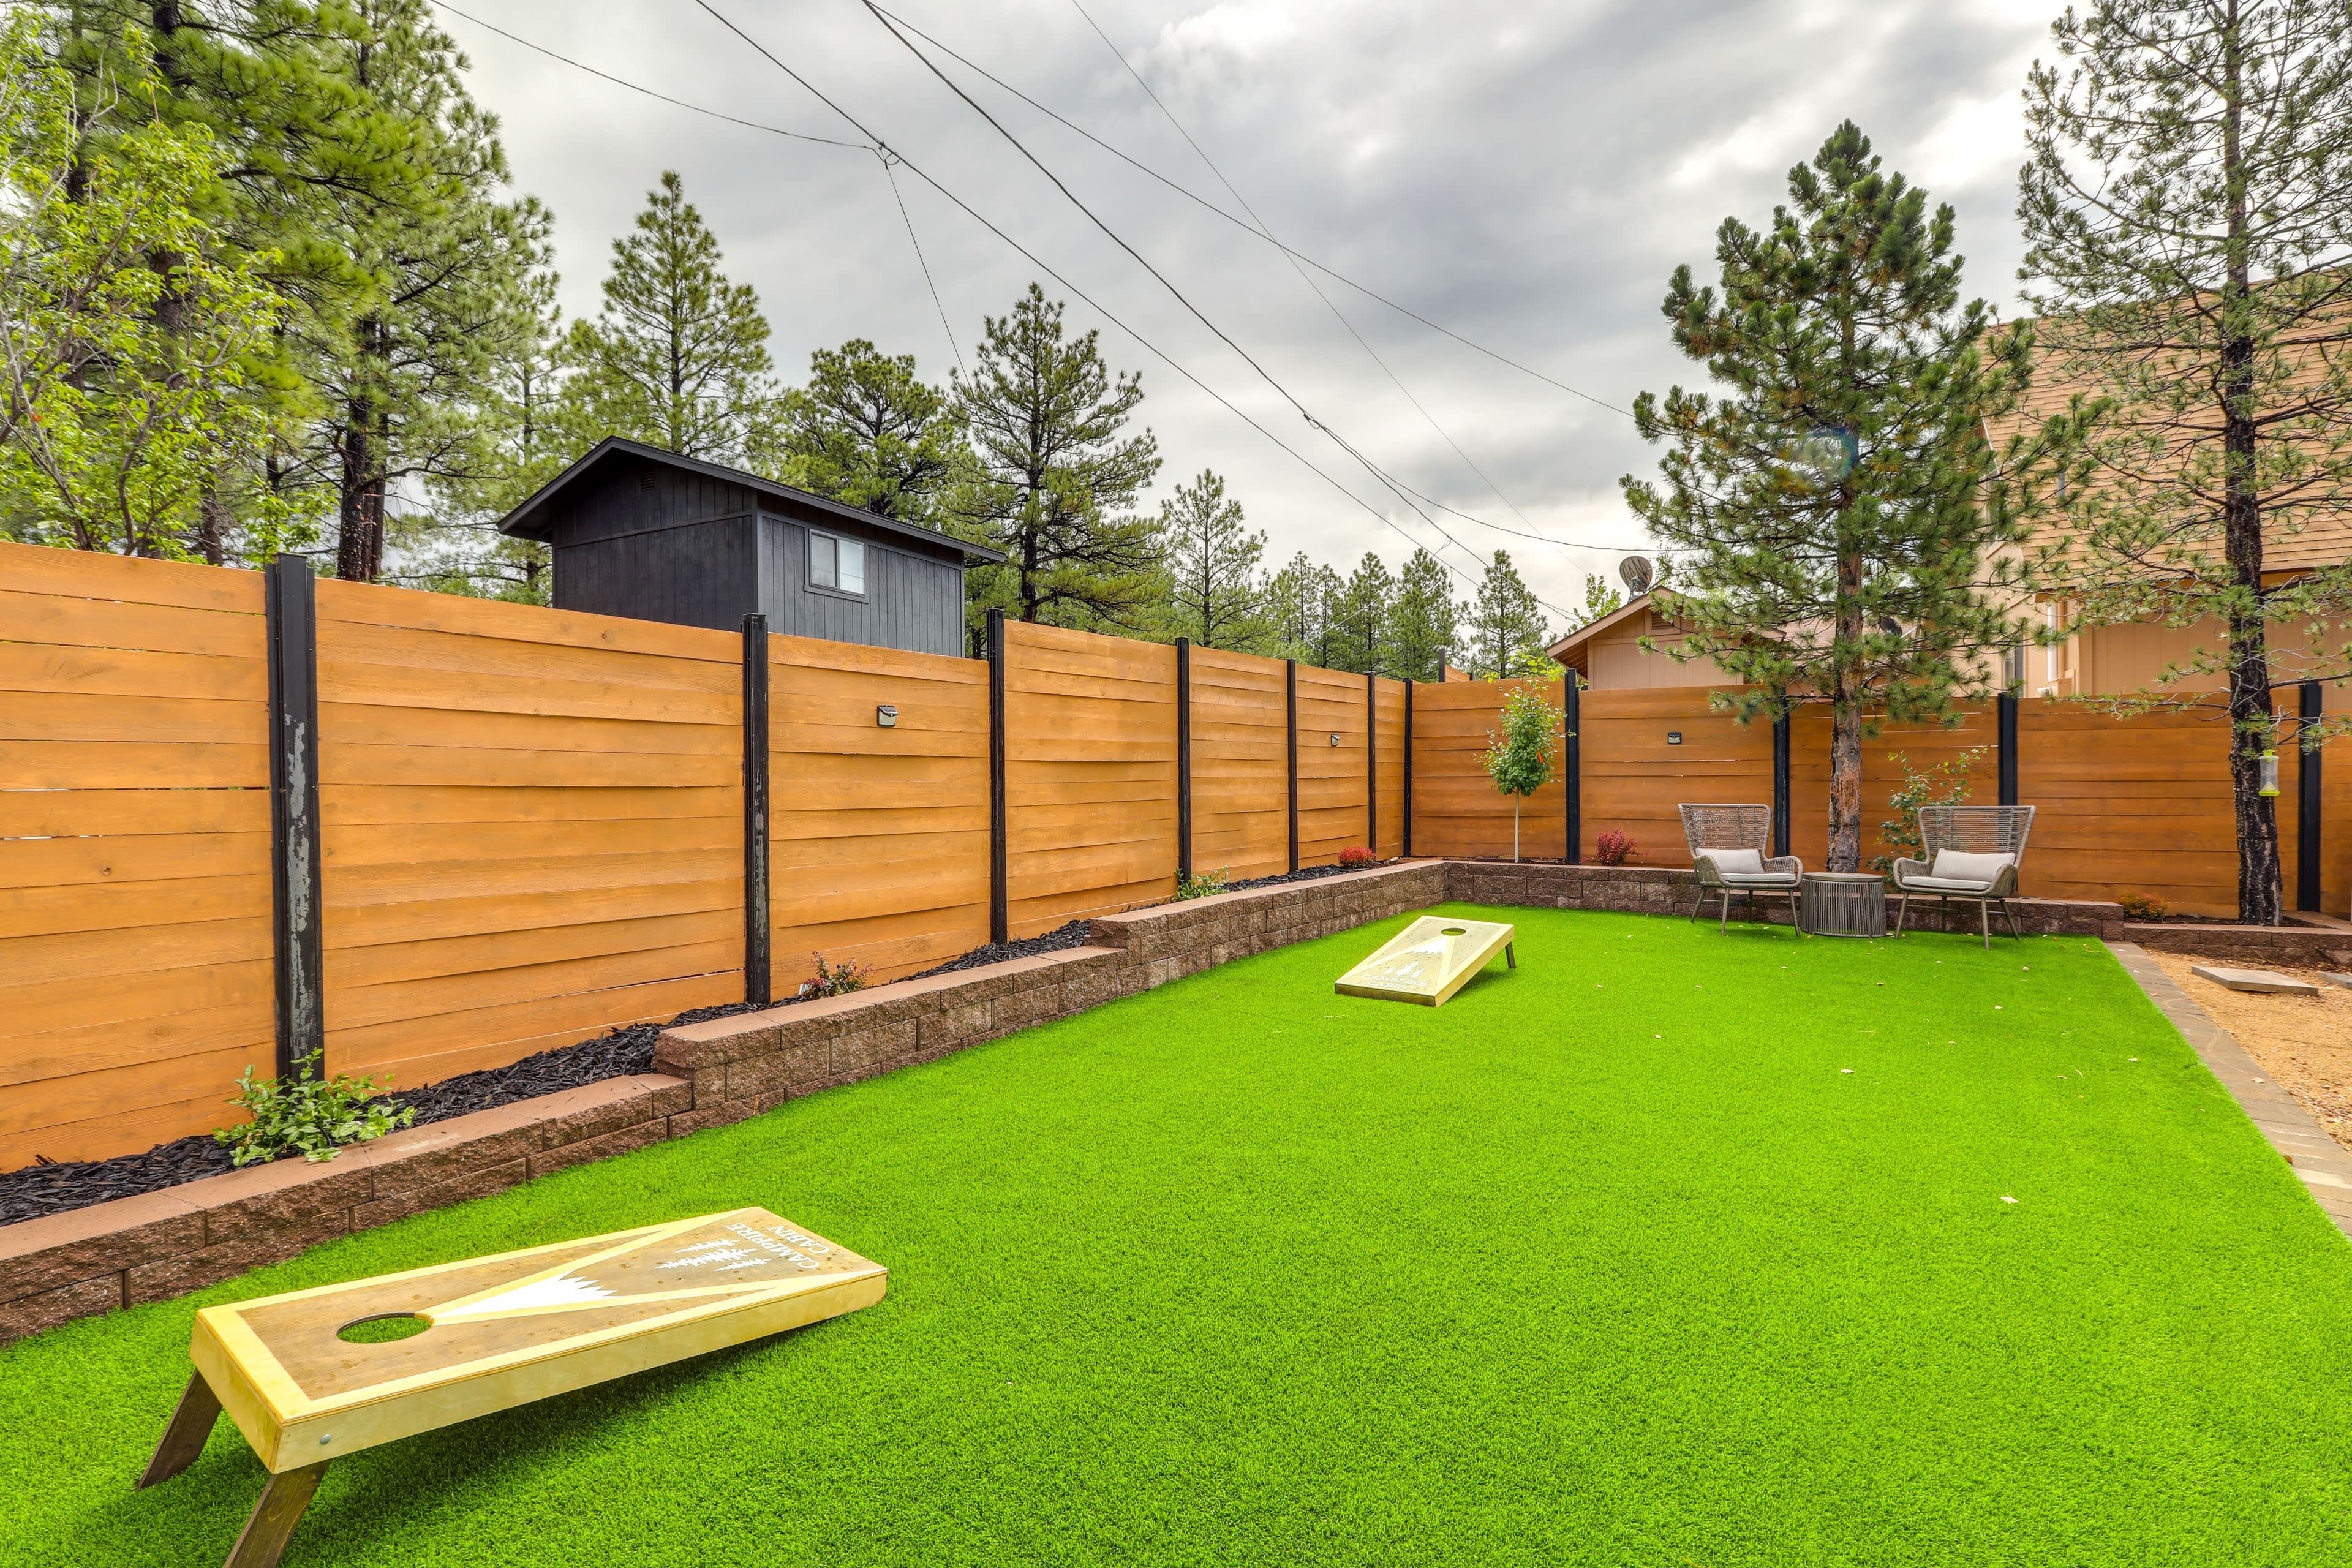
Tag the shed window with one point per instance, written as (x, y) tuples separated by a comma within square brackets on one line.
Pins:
[(837, 564)]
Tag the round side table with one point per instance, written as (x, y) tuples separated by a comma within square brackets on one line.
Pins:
[(1844, 903)]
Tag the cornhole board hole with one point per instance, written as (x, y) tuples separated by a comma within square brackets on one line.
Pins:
[(1429, 960), (487, 1335)]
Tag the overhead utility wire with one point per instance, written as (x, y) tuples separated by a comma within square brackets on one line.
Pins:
[(1223, 336), (1338, 315), (749, 124), (1197, 199), (1157, 352)]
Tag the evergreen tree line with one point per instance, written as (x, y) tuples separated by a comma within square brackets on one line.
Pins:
[(266, 288)]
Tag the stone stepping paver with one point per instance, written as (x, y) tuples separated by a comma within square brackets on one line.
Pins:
[(2253, 980)]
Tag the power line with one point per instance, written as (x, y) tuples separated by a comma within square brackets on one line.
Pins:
[(633, 87), (1340, 316), (916, 170), (953, 346), (1196, 198), (1178, 294)]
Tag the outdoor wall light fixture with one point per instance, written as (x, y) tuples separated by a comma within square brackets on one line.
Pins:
[(886, 716), (1335, 739), (1674, 737)]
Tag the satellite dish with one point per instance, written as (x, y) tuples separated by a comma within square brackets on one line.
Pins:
[(1636, 572)]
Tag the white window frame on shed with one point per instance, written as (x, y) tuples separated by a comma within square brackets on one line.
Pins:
[(836, 563)]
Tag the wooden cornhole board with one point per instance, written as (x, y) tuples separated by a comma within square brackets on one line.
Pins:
[(503, 1331), (1429, 960)]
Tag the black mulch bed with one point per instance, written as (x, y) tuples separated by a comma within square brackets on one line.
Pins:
[(54, 1188)]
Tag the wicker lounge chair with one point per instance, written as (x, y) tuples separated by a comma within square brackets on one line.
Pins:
[(1973, 853), (1730, 849)]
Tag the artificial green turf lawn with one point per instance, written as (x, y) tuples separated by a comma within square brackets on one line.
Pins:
[(1611, 1260)]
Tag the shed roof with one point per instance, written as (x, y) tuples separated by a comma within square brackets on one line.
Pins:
[(1570, 650), (534, 517)]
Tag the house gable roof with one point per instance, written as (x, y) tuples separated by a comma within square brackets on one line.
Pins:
[(534, 519), (1570, 650)]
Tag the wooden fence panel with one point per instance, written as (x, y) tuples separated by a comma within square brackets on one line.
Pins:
[(1332, 802), (1456, 809), (2133, 805), (1091, 775), (1390, 757), (1920, 746), (135, 948), (1241, 768), (878, 838), (1636, 777), (532, 826)]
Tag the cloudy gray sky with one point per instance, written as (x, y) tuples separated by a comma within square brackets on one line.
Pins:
[(1526, 174)]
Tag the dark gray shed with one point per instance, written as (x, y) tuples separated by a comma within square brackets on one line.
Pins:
[(643, 532)]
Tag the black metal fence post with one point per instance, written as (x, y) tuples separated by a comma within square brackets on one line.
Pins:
[(1408, 768), (290, 597), (998, 921), (2005, 744), (758, 982), (1290, 705), (2307, 805), (1184, 759), (1572, 769), (1372, 765), (1781, 783)]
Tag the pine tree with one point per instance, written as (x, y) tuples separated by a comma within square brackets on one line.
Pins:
[(403, 377), (1299, 600), (1360, 619), (867, 431), (2186, 206), (1507, 632), (1422, 618), (1044, 417), (1834, 504), (1214, 595), (678, 357)]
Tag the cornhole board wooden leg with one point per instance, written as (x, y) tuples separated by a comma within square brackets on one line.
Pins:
[(183, 1439), (271, 1524), (1510, 956)]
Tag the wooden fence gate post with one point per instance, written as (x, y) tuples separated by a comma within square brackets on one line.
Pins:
[(758, 984), (998, 921), (290, 597), (2307, 804), (1290, 703), (1184, 760), (1571, 770)]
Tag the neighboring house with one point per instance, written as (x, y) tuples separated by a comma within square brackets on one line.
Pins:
[(1609, 656), (647, 533)]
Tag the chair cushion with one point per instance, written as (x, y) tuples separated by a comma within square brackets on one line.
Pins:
[(1953, 865), (1731, 860), (1945, 885), (1759, 878)]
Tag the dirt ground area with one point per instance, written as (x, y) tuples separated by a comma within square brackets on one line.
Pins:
[(2304, 1043)]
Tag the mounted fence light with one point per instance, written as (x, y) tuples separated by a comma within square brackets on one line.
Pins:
[(886, 716), (2269, 773), (1335, 738)]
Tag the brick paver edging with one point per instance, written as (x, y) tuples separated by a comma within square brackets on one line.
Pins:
[(165, 1244), (2319, 1160)]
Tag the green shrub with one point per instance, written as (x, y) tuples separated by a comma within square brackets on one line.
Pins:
[(1938, 784), (309, 1115), (837, 981), (1203, 885)]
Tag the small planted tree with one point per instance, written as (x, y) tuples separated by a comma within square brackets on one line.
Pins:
[(1519, 755)]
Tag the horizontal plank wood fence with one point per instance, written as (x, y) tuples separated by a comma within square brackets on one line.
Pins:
[(531, 823), (136, 950)]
